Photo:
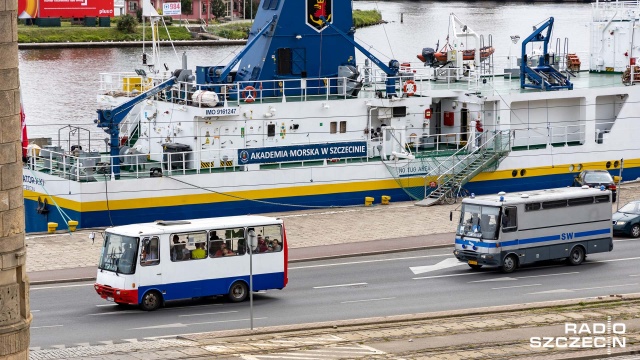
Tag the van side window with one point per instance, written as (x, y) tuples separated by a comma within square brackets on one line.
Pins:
[(509, 219)]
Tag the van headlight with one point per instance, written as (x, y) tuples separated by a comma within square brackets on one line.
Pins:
[(486, 256)]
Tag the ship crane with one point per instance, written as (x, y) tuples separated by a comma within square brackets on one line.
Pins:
[(110, 119), (543, 76), (392, 70)]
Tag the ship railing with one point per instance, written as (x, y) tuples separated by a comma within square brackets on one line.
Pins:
[(614, 10), (536, 137)]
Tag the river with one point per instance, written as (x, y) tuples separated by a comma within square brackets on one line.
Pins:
[(59, 86)]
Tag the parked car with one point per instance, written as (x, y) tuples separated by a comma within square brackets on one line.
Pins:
[(627, 219), (595, 178)]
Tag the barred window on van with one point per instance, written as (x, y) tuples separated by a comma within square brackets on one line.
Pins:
[(581, 201), (532, 207), (554, 204)]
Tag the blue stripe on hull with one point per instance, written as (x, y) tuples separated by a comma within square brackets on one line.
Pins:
[(37, 222), (210, 287)]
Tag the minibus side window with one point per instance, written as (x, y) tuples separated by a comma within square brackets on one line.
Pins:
[(150, 254), (509, 219)]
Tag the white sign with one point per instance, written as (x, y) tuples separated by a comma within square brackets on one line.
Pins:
[(172, 8), (224, 111), (597, 335)]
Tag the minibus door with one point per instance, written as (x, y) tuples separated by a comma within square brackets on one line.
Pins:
[(150, 270)]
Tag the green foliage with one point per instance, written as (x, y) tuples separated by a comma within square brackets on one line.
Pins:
[(362, 18), (139, 14), (218, 8), (247, 9), (127, 24), (187, 7), (235, 31), (32, 34)]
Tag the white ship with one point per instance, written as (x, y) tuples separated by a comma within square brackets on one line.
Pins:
[(292, 122)]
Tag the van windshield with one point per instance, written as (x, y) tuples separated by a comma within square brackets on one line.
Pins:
[(479, 221), (119, 254)]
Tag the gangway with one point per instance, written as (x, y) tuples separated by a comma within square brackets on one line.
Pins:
[(543, 76)]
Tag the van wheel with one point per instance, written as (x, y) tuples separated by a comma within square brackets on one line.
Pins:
[(151, 301), (238, 291), (635, 231), (577, 256), (475, 267), (509, 264)]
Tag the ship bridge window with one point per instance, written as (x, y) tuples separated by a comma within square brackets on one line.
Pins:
[(399, 111), (333, 127), (271, 130), (343, 127), (270, 4)]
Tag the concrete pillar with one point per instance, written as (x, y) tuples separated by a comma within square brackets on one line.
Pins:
[(15, 314)]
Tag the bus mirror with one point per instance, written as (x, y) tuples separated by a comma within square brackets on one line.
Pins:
[(616, 179), (451, 215)]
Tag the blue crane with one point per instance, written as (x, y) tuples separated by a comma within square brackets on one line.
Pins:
[(110, 120), (543, 76)]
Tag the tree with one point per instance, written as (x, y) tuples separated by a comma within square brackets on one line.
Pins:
[(127, 24), (187, 7), (218, 8)]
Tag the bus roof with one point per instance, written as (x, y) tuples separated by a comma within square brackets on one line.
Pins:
[(174, 226), (534, 196)]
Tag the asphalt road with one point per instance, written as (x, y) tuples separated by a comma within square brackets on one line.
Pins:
[(389, 284)]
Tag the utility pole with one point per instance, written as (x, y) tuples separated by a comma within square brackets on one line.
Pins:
[(15, 318)]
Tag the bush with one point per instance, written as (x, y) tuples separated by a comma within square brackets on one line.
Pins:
[(139, 14), (127, 24)]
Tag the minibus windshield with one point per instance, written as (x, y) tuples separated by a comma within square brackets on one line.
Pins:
[(479, 221), (118, 254)]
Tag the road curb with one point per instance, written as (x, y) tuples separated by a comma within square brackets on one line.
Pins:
[(332, 325)]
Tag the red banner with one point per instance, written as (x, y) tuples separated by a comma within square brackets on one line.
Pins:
[(65, 8)]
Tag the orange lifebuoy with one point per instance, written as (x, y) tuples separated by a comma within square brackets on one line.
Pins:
[(249, 94), (409, 87)]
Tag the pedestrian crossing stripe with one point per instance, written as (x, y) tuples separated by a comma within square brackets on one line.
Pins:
[(226, 163)]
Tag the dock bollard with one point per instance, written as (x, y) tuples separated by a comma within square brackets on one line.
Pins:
[(368, 201), (52, 227), (385, 199), (72, 225)]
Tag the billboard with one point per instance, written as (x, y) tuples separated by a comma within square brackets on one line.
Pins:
[(64, 8)]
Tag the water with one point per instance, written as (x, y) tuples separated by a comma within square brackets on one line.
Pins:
[(59, 87)]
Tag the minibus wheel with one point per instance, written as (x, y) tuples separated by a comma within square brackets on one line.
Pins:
[(576, 257), (238, 291), (151, 301), (509, 264)]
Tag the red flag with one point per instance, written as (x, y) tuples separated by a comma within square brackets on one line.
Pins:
[(23, 136)]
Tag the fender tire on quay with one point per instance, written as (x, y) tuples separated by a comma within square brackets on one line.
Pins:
[(151, 301), (576, 256), (509, 264), (238, 292)]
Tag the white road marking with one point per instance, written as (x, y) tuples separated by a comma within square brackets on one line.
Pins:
[(357, 301), (515, 286), (44, 327), (443, 276), (84, 344), (369, 261), (59, 286), (117, 312), (101, 305), (181, 325), (572, 290), (635, 275), (523, 277), (444, 264), (612, 260), (35, 311), (212, 313), (340, 285)]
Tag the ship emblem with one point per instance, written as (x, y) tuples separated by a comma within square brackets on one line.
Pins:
[(244, 156), (316, 10)]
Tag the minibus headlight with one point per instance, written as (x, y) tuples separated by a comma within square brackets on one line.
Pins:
[(456, 252), (117, 292), (486, 256), (620, 222)]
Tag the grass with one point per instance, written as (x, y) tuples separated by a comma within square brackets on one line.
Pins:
[(68, 33), (73, 33)]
